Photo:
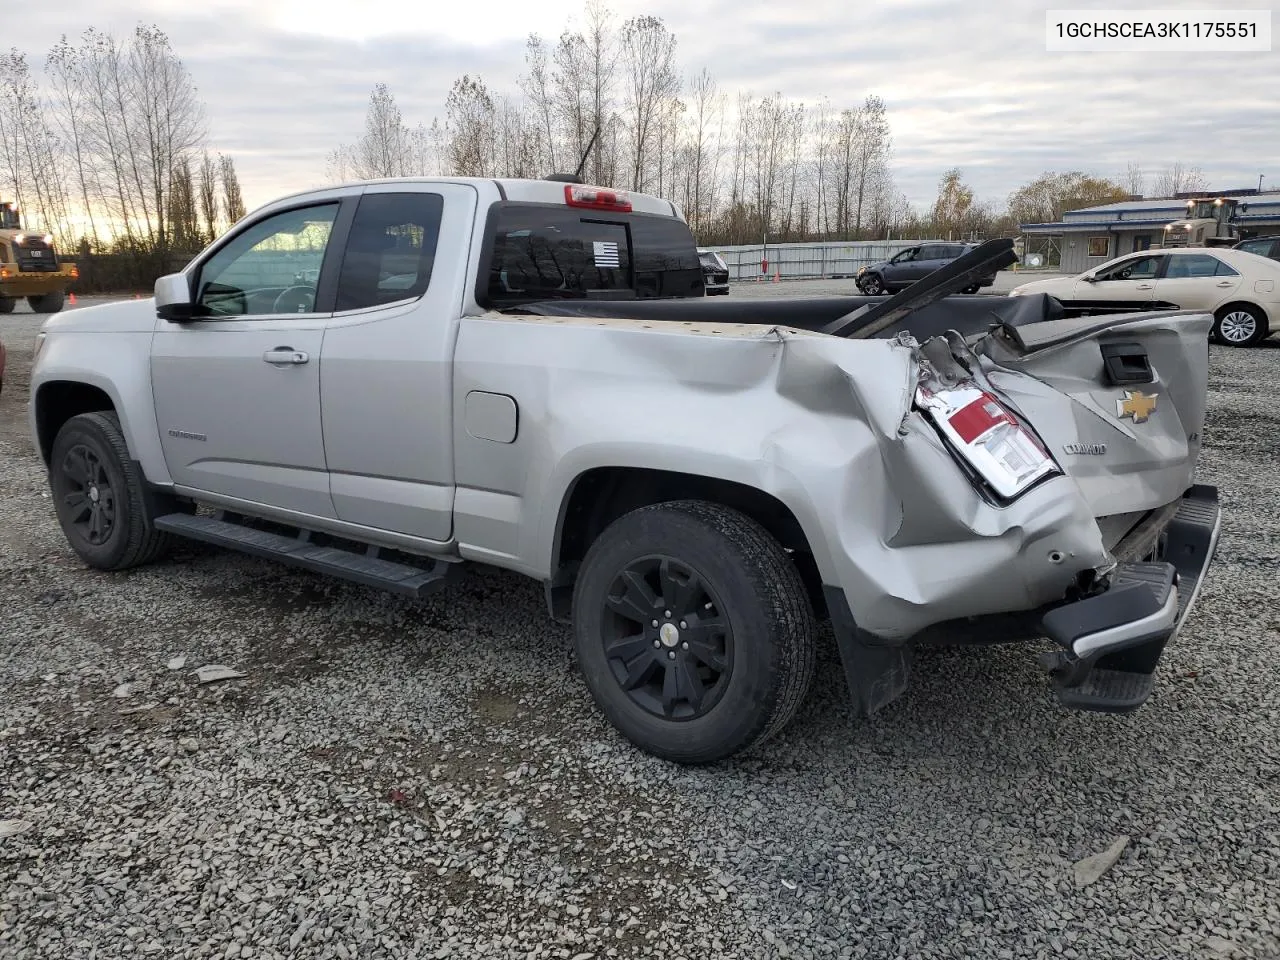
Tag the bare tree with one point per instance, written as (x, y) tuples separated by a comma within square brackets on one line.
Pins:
[(28, 152), (472, 129), (131, 121), (232, 199), (172, 120), (951, 211), (385, 148), (602, 65), (706, 117), (870, 154), (769, 128), (538, 88), (821, 165), (64, 66), (1134, 180), (185, 234), (1178, 178), (651, 82), (208, 199)]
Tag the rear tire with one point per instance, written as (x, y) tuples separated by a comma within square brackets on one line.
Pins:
[(48, 303), (1240, 325), (100, 495), (732, 654), (7, 304)]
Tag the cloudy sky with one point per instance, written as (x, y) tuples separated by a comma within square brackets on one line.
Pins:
[(967, 84)]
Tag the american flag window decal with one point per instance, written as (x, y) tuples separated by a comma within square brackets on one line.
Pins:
[(606, 253)]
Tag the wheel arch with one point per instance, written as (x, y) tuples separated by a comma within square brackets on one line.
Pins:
[(56, 401), (599, 495), (1255, 308)]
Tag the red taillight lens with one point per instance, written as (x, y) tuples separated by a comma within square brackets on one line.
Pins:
[(597, 198), (988, 436)]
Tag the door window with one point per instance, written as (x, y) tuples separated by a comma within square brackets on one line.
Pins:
[(1197, 265), (270, 268), (391, 249), (1139, 268)]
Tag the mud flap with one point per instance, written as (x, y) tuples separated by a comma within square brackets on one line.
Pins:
[(876, 673)]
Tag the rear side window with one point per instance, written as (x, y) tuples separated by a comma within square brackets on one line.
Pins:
[(1197, 265), (1262, 248), (548, 252), (390, 250)]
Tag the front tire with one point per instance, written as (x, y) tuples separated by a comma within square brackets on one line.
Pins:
[(48, 303), (873, 286), (693, 630), (1238, 325), (100, 495), (7, 304)]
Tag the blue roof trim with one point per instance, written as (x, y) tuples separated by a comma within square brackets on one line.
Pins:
[(1113, 225)]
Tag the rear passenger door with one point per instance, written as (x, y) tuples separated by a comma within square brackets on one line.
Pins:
[(1196, 281), (386, 366)]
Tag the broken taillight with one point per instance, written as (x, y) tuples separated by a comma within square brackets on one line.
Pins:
[(1004, 452)]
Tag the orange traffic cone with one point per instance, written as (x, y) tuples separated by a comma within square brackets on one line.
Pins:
[(137, 296), (777, 276), (72, 299)]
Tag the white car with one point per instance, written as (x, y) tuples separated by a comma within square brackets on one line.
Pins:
[(1241, 289)]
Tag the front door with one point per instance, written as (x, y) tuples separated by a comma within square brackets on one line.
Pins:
[(1121, 287), (898, 271), (237, 390)]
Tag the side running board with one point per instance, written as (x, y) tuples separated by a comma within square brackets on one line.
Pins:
[(365, 568)]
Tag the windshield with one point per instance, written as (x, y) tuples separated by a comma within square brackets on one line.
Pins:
[(9, 219)]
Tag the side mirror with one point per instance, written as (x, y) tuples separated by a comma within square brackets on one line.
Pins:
[(173, 298), (1089, 278)]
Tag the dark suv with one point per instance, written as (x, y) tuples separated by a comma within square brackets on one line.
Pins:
[(914, 263), (715, 273), (1262, 246)]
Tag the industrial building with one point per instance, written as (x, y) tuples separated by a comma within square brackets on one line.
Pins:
[(1093, 235)]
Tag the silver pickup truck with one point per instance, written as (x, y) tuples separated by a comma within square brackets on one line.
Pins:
[(386, 380)]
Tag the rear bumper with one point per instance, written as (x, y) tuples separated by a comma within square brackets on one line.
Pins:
[(1110, 643)]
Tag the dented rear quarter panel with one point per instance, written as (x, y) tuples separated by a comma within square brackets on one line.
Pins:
[(823, 424)]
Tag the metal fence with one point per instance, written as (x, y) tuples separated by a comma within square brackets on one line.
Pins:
[(794, 261)]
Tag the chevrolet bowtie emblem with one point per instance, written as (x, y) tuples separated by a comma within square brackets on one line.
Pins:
[(1136, 405)]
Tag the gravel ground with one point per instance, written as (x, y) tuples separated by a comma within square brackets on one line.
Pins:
[(427, 780)]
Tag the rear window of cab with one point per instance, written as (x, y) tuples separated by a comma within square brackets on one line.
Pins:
[(548, 251)]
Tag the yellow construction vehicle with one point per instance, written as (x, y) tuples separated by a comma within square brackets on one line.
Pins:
[(29, 266)]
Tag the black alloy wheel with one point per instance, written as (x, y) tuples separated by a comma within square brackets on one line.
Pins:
[(666, 639)]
